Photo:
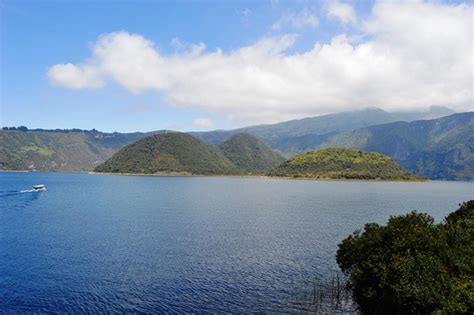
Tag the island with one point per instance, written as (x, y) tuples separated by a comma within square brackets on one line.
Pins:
[(177, 153), (181, 154), (342, 163)]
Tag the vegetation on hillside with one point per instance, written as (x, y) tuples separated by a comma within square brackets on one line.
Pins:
[(180, 152), (250, 155), (285, 136), (170, 152), (59, 150), (439, 149), (52, 151), (412, 265), (340, 163)]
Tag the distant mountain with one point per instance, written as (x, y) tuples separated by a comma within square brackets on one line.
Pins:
[(61, 150), (442, 148), (250, 154), (439, 154), (287, 137), (339, 163), (169, 153)]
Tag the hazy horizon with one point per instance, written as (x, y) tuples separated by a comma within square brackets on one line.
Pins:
[(245, 126)]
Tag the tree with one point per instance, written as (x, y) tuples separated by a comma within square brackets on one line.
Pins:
[(412, 265)]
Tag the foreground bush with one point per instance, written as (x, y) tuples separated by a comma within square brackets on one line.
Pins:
[(412, 265)]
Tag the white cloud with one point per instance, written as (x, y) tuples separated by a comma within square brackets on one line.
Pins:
[(414, 55), (203, 123), (299, 20), (187, 48), (75, 77), (341, 11)]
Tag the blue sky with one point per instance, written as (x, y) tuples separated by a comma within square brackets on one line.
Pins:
[(205, 89)]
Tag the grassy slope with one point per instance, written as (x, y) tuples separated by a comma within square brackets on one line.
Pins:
[(339, 163), (250, 154), (171, 152)]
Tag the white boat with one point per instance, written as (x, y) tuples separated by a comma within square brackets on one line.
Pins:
[(39, 188)]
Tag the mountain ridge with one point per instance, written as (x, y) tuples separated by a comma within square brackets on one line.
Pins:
[(278, 135), (441, 148), (447, 155)]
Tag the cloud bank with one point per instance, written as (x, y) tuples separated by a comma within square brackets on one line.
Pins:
[(410, 55)]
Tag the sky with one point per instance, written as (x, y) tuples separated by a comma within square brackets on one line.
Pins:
[(203, 65)]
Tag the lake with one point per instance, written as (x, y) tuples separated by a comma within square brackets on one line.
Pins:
[(104, 243)]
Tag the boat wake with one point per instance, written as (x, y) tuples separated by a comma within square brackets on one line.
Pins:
[(8, 193)]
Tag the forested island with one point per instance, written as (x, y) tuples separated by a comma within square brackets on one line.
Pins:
[(340, 163), (243, 154), (181, 153)]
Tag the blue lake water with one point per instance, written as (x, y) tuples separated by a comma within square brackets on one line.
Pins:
[(104, 243)]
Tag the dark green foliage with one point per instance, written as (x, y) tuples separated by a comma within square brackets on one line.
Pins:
[(338, 163), (250, 154), (180, 152), (465, 212), (412, 265), (170, 152), (439, 149)]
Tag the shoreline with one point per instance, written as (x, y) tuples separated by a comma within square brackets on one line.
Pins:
[(187, 174), (16, 171), (177, 174)]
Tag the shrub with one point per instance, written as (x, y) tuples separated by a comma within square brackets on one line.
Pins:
[(412, 265)]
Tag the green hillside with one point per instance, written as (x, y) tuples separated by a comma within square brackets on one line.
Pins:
[(50, 151), (300, 135), (439, 149), (60, 150), (171, 152), (250, 154), (339, 163)]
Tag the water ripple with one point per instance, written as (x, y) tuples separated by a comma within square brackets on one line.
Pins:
[(111, 244)]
